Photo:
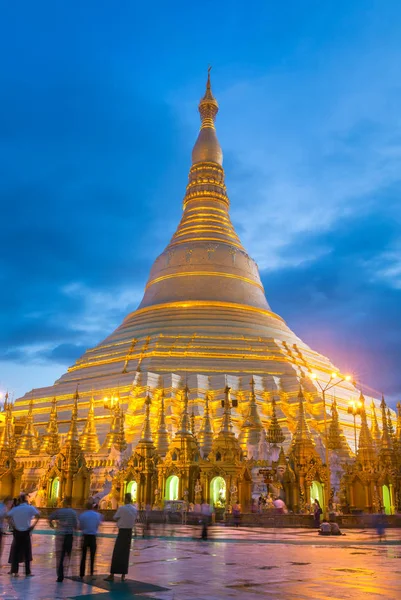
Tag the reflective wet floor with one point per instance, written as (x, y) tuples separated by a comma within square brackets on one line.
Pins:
[(232, 563)]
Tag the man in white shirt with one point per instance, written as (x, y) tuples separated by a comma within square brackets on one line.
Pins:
[(24, 518), (125, 516)]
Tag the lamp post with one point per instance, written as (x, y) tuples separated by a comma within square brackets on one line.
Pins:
[(335, 379), (354, 409)]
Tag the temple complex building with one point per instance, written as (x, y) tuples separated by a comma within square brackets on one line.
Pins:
[(203, 392)]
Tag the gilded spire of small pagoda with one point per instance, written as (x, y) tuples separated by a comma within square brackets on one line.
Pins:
[(386, 441), (398, 432), (336, 438), (205, 435), (89, 439), (162, 437), (51, 440), (366, 451), (376, 436), (390, 425), (27, 443), (282, 461), (185, 424), (251, 428), (207, 147), (226, 424), (72, 435), (275, 435), (7, 434), (302, 435), (146, 431)]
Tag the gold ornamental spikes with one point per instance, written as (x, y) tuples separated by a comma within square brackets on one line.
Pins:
[(274, 435), (72, 435), (390, 425), (251, 428), (146, 432), (386, 438), (185, 424), (51, 441), (89, 439), (226, 424), (162, 437), (302, 433), (375, 426), (366, 452), (28, 439), (398, 432), (205, 435)]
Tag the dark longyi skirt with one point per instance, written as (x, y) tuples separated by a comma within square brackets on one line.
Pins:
[(122, 547)]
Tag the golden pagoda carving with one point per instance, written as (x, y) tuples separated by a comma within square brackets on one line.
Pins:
[(336, 438), (205, 436), (375, 430), (89, 439), (275, 435), (51, 440), (162, 437), (252, 430), (28, 440)]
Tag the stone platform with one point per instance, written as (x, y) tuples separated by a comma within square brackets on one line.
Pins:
[(244, 563)]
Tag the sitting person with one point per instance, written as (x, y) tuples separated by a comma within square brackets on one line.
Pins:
[(335, 530), (325, 528)]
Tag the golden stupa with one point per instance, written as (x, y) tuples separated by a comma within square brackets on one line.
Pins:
[(203, 323)]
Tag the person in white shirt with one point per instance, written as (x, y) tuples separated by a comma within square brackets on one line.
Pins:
[(125, 516), (22, 517)]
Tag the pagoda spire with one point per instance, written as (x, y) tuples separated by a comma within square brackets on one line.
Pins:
[(302, 435), (146, 431), (390, 425), (162, 437), (7, 435), (386, 442), (207, 147), (185, 424), (251, 428), (366, 452), (115, 436), (89, 439), (72, 435), (376, 436), (398, 431), (226, 424), (27, 443), (205, 435), (282, 461), (51, 440), (336, 439), (275, 435)]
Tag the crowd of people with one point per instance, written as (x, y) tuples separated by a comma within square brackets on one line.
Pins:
[(22, 518)]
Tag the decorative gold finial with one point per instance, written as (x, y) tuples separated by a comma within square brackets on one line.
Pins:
[(207, 148)]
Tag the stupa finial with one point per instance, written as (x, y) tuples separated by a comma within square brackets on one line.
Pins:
[(207, 147), (386, 438), (51, 441), (162, 438), (205, 436)]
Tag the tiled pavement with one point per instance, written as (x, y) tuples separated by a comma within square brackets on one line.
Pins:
[(234, 563)]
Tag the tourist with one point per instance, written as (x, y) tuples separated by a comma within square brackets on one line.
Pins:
[(126, 517), (205, 516), (89, 522), (317, 511), (4, 508), (22, 517), (380, 524), (66, 520), (279, 505), (325, 528), (236, 514), (335, 529)]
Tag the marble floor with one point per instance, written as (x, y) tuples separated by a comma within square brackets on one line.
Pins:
[(239, 563)]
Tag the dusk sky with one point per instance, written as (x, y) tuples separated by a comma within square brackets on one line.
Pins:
[(98, 118)]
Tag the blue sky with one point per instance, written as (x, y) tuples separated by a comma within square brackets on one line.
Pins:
[(97, 120)]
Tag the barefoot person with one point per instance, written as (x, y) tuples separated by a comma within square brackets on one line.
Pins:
[(22, 517), (67, 520), (126, 517), (89, 522)]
